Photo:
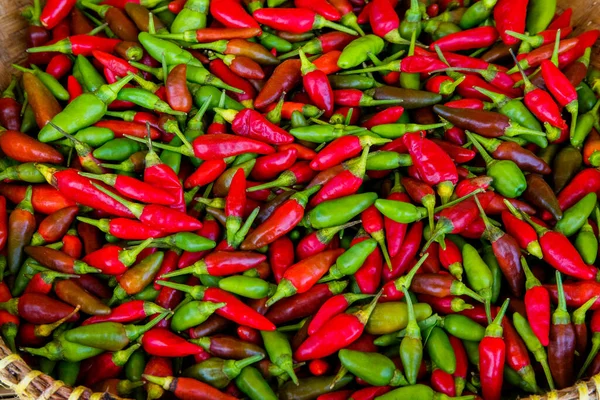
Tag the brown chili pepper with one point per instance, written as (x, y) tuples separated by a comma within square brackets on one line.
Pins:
[(54, 226), (56, 260), (214, 324), (283, 79), (561, 349), (24, 148), (566, 164), (178, 94), (228, 347), (140, 16), (71, 293), (21, 226), (540, 194), (44, 104)]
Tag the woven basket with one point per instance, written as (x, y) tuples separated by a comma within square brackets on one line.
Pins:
[(27, 384)]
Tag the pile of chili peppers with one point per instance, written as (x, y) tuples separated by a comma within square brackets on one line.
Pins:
[(308, 199)]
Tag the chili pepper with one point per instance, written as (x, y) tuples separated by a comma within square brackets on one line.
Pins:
[(561, 348), (131, 311), (580, 327), (240, 47), (373, 368), (283, 79), (234, 310), (21, 227), (37, 308), (188, 388), (72, 293), (562, 255), (78, 44), (54, 227), (510, 16), (345, 327), (352, 260), (576, 216), (540, 15), (133, 188), (58, 261), (61, 349), (586, 244), (42, 281), (474, 38), (535, 57), (303, 20), (491, 357), (326, 214), (537, 303), (219, 373), (10, 116)]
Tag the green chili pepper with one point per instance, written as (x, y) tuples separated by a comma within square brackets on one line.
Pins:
[(68, 372), (245, 286), (509, 180), (192, 17), (585, 97), (477, 14), (94, 136), (417, 392), (150, 293), (490, 259), (62, 349), (91, 79), (251, 382), (360, 82), (463, 327), (324, 133), (479, 275), (271, 41), (279, 350), (85, 110), (351, 260), (400, 211), (355, 53), (339, 211), (440, 350), (533, 345), (313, 387), (212, 95), (117, 149), (394, 131), (386, 160), (576, 216), (374, 368), (218, 372), (445, 28), (110, 336), (585, 123), (586, 244), (28, 120), (411, 346), (539, 15), (193, 314), (393, 316), (134, 368), (173, 54), (25, 172)]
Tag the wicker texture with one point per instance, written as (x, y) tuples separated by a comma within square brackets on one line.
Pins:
[(28, 384)]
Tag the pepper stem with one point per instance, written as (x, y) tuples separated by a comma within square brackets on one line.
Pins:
[(164, 382), (102, 224), (321, 22), (47, 329), (406, 280), (197, 292), (489, 161), (136, 209), (133, 332), (240, 235), (495, 328), (459, 200), (128, 257), (592, 354), (561, 316), (183, 149), (363, 315)]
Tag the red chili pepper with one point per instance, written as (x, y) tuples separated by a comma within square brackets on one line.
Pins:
[(188, 388), (133, 188), (206, 173), (561, 88), (232, 14), (368, 276), (122, 128), (389, 115), (469, 39), (318, 241), (331, 308), (385, 21), (55, 11), (562, 21), (124, 228), (303, 275), (295, 20), (372, 392), (252, 125), (444, 305), (268, 167), (321, 7), (79, 44), (523, 232), (434, 165), (129, 312), (59, 66), (328, 62), (345, 183), (74, 88), (37, 308), (407, 252), (396, 231), (281, 257), (451, 258), (510, 16), (210, 230), (72, 245), (317, 86), (517, 356), (164, 343), (559, 252), (443, 382), (157, 366), (114, 63), (283, 220), (339, 332), (492, 350), (222, 71), (42, 282)]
